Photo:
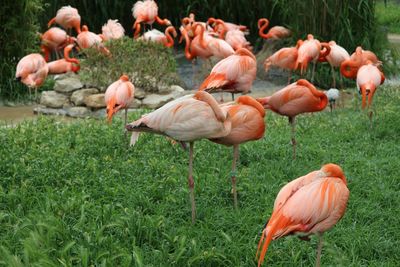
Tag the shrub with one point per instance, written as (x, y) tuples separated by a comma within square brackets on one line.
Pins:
[(147, 64)]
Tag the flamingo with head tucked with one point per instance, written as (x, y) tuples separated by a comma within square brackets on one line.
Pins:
[(112, 30), (311, 204), (284, 58), (146, 12), (164, 38), (68, 17), (276, 32), (216, 23), (67, 64), (185, 119), (296, 98)]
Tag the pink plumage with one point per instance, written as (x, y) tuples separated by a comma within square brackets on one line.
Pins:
[(337, 55), (68, 17), (119, 95), (32, 70), (237, 40), (112, 30), (369, 77)]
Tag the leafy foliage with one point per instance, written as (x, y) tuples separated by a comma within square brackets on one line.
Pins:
[(146, 63), (74, 195), (389, 15)]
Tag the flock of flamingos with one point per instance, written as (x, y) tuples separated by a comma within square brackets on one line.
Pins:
[(311, 204)]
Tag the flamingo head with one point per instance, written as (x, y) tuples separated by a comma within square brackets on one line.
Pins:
[(85, 28), (264, 102), (124, 78), (333, 170)]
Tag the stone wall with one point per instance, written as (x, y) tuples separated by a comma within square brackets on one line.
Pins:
[(72, 98)]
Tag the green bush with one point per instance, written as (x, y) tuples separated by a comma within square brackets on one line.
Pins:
[(146, 63), (20, 23)]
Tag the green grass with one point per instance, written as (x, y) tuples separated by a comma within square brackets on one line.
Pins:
[(389, 16), (73, 194)]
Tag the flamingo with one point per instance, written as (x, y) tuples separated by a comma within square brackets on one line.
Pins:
[(54, 39), (112, 30), (311, 204), (159, 37), (146, 12), (119, 95), (185, 119), (333, 95), (247, 116), (310, 51), (233, 74), (369, 77), (284, 58), (335, 58), (235, 38), (294, 99), (349, 68), (229, 26), (87, 39), (32, 71), (276, 32), (68, 17), (66, 64)]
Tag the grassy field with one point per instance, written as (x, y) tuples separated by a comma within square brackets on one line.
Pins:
[(389, 16), (74, 194)]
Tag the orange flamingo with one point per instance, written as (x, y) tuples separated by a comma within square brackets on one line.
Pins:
[(87, 39), (229, 26), (310, 51), (146, 12), (234, 74), (32, 71), (68, 17), (112, 30), (54, 39), (369, 77), (294, 99), (185, 119), (335, 58), (119, 95), (235, 38), (311, 204), (66, 64), (284, 58), (159, 37), (247, 116), (276, 32), (349, 68)]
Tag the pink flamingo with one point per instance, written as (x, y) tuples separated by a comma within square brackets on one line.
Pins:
[(67, 64), (68, 17), (32, 71), (369, 77), (349, 67), (294, 99), (159, 37), (276, 32), (284, 58), (112, 30), (229, 26), (54, 39), (234, 74), (311, 204), (87, 39), (335, 58), (247, 116), (119, 95), (146, 12), (185, 119)]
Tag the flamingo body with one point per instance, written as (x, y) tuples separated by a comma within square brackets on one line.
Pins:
[(68, 17), (236, 39), (337, 55), (369, 77), (119, 95), (159, 37), (112, 30), (32, 70), (284, 58)]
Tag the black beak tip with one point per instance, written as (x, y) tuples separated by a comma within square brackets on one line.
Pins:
[(17, 79)]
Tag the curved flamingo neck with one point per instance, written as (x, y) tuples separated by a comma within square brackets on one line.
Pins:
[(349, 68), (249, 101), (201, 34), (162, 21), (324, 53), (170, 41), (185, 35), (244, 52), (206, 97), (263, 25), (136, 26), (311, 87), (67, 51), (46, 52), (224, 28)]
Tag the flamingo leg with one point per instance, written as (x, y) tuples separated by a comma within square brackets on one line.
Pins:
[(292, 121), (313, 72), (370, 114), (233, 174), (125, 119), (290, 77), (233, 96), (333, 77), (319, 250), (191, 182), (36, 95)]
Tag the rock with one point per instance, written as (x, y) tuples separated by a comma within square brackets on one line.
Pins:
[(78, 112), (136, 103), (139, 93), (78, 97), (176, 89), (49, 111), (99, 114), (166, 89), (155, 101), (67, 85), (53, 99), (95, 101)]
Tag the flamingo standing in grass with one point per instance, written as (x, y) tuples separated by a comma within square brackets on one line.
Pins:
[(68, 17), (67, 64), (112, 30), (284, 58), (146, 12), (32, 71), (276, 32), (247, 116), (165, 39), (54, 39), (119, 95), (311, 204), (234, 74), (335, 58), (294, 99), (369, 77), (186, 119)]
